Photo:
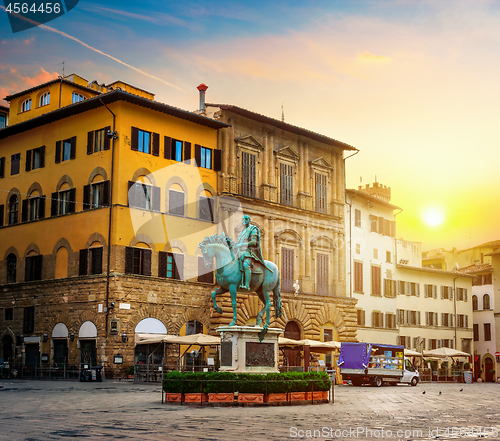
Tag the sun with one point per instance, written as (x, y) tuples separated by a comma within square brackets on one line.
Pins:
[(433, 216)]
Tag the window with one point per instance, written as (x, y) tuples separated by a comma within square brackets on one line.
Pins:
[(287, 269), (286, 184), (26, 105), (414, 289), (486, 301), (373, 223), (462, 294), (447, 292), (462, 321), (15, 161), (29, 320), (377, 319), (91, 261), (430, 291), (11, 268), (361, 317), (390, 321), (358, 277), (401, 287), (176, 202), (388, 256), (376, 281), (45, 99), (249, 183), (76, 97), (389, 288), (431, 318), (358, 248), (357, 218), (433, 343), (474, 303), (487, 279), (100, 140), (203, 156), (487, 332), (446, 319), (145, 142), (35, 208), (321, 193), (2, 166), (194, 327), (63, 202), (9, 314), (177, 150), (375, 253), (171, 265), (96, 195), (205, 274), (138, 261), (65, 150), (33, 268), (3, 121), (476, 332), (144, 196), (322, 274), (38, 158), (13, 209), (206, 208)]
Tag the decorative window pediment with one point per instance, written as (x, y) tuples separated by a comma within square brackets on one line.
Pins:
[(321, 165), (249, 143), (286, 153)]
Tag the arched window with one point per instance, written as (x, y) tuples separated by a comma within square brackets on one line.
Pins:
[(13, 209), (176, 200), (486, 301), (11, 268), (474, 303), (26, 105), (45, 99), (194, 327), (207, 206), (76, 97)]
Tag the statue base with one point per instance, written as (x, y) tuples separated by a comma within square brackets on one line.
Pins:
[(241, 350)]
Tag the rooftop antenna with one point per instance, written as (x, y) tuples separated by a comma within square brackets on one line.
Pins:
[(282, 113), (62, 68), (375, 178)]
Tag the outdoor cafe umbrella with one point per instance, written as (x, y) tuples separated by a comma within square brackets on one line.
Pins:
[(445, 353), (410, 353)]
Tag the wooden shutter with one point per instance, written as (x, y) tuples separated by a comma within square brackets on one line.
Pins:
[(90, 142), (28, 265), (376, 282), (131, 194), (28, 160), (42, 156), (322, 273), (176, 202), (54, 203), (2, 211), (72, 154), (58, 152), (358, 277), (179, 266), (156, 144), (162, 264), (134, 139), (146, 262), (86, 197), (418, 318), (217, 159), (286, 184), (167, 147), (393, 229), (2, 167), (373, 223), (156, 199), (82, 266), (197, 155), (72, 197), (96, 263), (248, 174), (25, 208), (381, 225), (187, 152), (426, 290), (105, 193), (107, 139), (465, 294), (321, 193), (129, 260), (38, 267), (287, 269), (450, 293)]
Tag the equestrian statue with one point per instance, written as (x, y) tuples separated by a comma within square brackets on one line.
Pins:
[(240, 267)]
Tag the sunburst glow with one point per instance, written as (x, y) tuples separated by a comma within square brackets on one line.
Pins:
[(433, 216)]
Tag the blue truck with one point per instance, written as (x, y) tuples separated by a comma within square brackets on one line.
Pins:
[(376, 364)]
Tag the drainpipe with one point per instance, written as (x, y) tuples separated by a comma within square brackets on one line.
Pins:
[(114, 136), (350, 227), (455, 308)]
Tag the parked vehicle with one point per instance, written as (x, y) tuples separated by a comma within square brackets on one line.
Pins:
[(375, 364)]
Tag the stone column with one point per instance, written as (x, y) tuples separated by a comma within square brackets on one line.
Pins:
[(270, 150), (340, 178), (265, 162), (335, 262), (307, 183), (307, 247), (341, 266), (301, 167), (231, 148), (302, 257)]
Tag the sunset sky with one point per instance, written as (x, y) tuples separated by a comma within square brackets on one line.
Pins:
[(414, 85)]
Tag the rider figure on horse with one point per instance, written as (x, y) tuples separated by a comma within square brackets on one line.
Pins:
[(248, 246)]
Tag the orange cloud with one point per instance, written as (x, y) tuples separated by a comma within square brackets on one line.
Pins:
[(28, 41), (14, 81), (369, 57)]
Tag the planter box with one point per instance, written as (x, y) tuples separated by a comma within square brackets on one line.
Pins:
[(195, 398), (176, 398), (318, 395), (275, 398), (250, 398), (221, 398), (297, 396)]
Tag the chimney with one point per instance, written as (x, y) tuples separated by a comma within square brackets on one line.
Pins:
[(202, 88)]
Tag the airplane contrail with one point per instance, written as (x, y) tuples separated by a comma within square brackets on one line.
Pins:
[(64, 34)]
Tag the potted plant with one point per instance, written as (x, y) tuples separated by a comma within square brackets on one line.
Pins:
[(277, 388), (195, 389), (130, 372), (172, 385), (492, 372), (250, 388), (220, 387)]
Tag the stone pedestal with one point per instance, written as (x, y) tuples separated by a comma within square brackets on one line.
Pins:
[(241, 350)]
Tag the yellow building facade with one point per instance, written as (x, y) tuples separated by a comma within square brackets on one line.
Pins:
[(105, 195)]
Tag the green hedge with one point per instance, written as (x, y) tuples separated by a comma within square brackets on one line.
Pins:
[(227, 382)]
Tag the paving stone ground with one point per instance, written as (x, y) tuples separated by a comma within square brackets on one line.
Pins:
[(62, 410)]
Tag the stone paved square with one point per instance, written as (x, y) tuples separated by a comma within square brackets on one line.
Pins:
[(57, 410)]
